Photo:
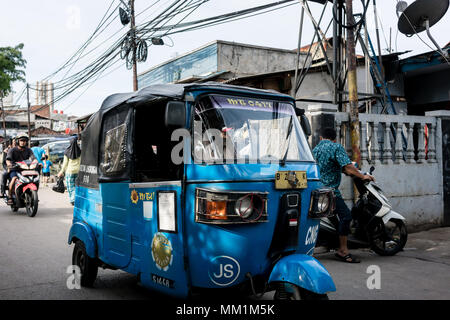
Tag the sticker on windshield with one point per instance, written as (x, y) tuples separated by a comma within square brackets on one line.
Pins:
[(252, 104)]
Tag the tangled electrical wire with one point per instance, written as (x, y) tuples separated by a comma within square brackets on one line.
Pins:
[(137, 40), (127, 47)]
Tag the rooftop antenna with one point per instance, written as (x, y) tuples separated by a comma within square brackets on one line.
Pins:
[(420, 16)]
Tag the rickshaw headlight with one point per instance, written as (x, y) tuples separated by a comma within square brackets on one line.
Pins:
[(244, 206), (322, 204), (221, 207)]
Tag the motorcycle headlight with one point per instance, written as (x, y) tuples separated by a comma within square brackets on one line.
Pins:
[(322, 204), (23, 178), (36, 178)]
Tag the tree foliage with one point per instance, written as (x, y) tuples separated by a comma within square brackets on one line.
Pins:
[(10, 63)]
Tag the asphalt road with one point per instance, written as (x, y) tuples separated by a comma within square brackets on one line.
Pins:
[(34, 257)]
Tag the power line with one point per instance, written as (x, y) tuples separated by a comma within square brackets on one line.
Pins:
[(95, 69), (83, 46)]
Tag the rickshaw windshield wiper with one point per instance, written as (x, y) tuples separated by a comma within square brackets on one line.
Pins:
[(288, 139)]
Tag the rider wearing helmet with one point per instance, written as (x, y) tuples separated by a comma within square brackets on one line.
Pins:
[(19, 153)]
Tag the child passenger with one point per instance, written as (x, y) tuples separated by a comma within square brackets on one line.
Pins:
[(46, 169)]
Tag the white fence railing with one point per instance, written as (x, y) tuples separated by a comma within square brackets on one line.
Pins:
[(391, 139)]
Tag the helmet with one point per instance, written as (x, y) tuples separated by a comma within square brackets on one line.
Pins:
[(22, 136)]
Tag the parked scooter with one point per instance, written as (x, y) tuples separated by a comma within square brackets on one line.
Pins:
[(374, 225), (26, 187)]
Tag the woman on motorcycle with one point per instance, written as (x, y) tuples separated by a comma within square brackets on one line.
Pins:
[(19, 153)]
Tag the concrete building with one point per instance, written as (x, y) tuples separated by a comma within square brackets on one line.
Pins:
[(220, 61)]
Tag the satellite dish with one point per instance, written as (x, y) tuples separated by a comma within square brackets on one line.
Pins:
[(414, 17), (420, 16)]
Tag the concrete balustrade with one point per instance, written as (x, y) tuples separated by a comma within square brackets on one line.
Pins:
[(393, 135)]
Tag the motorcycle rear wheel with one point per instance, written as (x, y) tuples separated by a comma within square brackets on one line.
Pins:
[(32, 203), (389, 239)]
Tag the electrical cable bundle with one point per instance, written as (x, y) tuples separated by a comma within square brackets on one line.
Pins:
[(139, 39)]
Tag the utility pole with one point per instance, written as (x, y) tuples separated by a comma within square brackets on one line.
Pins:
[(133, 45), (352, 86), (29, 106)]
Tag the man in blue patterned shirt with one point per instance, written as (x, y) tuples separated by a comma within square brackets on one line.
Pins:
[(332, 160)]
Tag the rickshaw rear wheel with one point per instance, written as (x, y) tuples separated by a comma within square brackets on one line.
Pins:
[(297, 293), (88, 266)]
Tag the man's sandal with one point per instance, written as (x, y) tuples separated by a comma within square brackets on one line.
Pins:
[(348, 258)]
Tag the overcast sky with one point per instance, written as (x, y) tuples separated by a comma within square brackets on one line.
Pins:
[(52, 30)]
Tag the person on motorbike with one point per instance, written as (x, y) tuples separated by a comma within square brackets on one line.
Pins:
[(332, 160), (19, 153), (5, 176)]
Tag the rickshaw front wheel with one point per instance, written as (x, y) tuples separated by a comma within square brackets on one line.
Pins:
[(296, 293), (88, 266)]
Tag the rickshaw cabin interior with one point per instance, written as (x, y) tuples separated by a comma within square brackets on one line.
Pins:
[(135, 140), (152, 145)]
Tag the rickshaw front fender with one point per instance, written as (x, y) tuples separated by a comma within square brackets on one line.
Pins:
[(303, 271), (84, 233)]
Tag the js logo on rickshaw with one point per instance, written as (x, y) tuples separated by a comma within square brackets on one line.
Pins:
[(162, 251), (223, 270), (134, 196)]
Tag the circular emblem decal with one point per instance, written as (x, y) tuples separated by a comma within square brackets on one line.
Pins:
[(223, 270), (162, 251), (134, 197)]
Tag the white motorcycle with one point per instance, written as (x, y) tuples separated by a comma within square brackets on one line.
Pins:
[(374, 225)]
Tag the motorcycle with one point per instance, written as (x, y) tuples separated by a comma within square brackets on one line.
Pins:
[(375, 225), (26, 187)]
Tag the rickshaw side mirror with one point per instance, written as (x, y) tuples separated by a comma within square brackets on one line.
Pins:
[(304, 122), (299, 112), (175, 114)]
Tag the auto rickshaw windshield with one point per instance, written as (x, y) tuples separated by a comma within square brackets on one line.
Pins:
[(235, 129)]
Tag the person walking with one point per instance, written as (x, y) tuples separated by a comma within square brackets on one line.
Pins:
[(333, 160), (46, 169), (70, 167), (38, 152)]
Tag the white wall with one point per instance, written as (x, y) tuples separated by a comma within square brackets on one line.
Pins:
[(414, 191)]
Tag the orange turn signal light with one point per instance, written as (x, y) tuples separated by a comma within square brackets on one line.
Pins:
[(216, 210)]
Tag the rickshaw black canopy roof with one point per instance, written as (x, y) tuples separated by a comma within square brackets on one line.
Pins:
[(91, 135), (177, 91)]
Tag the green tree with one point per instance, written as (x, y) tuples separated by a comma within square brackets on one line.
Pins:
[(10, 63)]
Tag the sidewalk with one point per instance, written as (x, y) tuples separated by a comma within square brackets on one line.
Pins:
[(419, 272)]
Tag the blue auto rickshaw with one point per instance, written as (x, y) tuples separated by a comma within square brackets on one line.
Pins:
[(196, 187)]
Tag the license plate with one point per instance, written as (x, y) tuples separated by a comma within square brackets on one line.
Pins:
[(29, 173), (291, 180)]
